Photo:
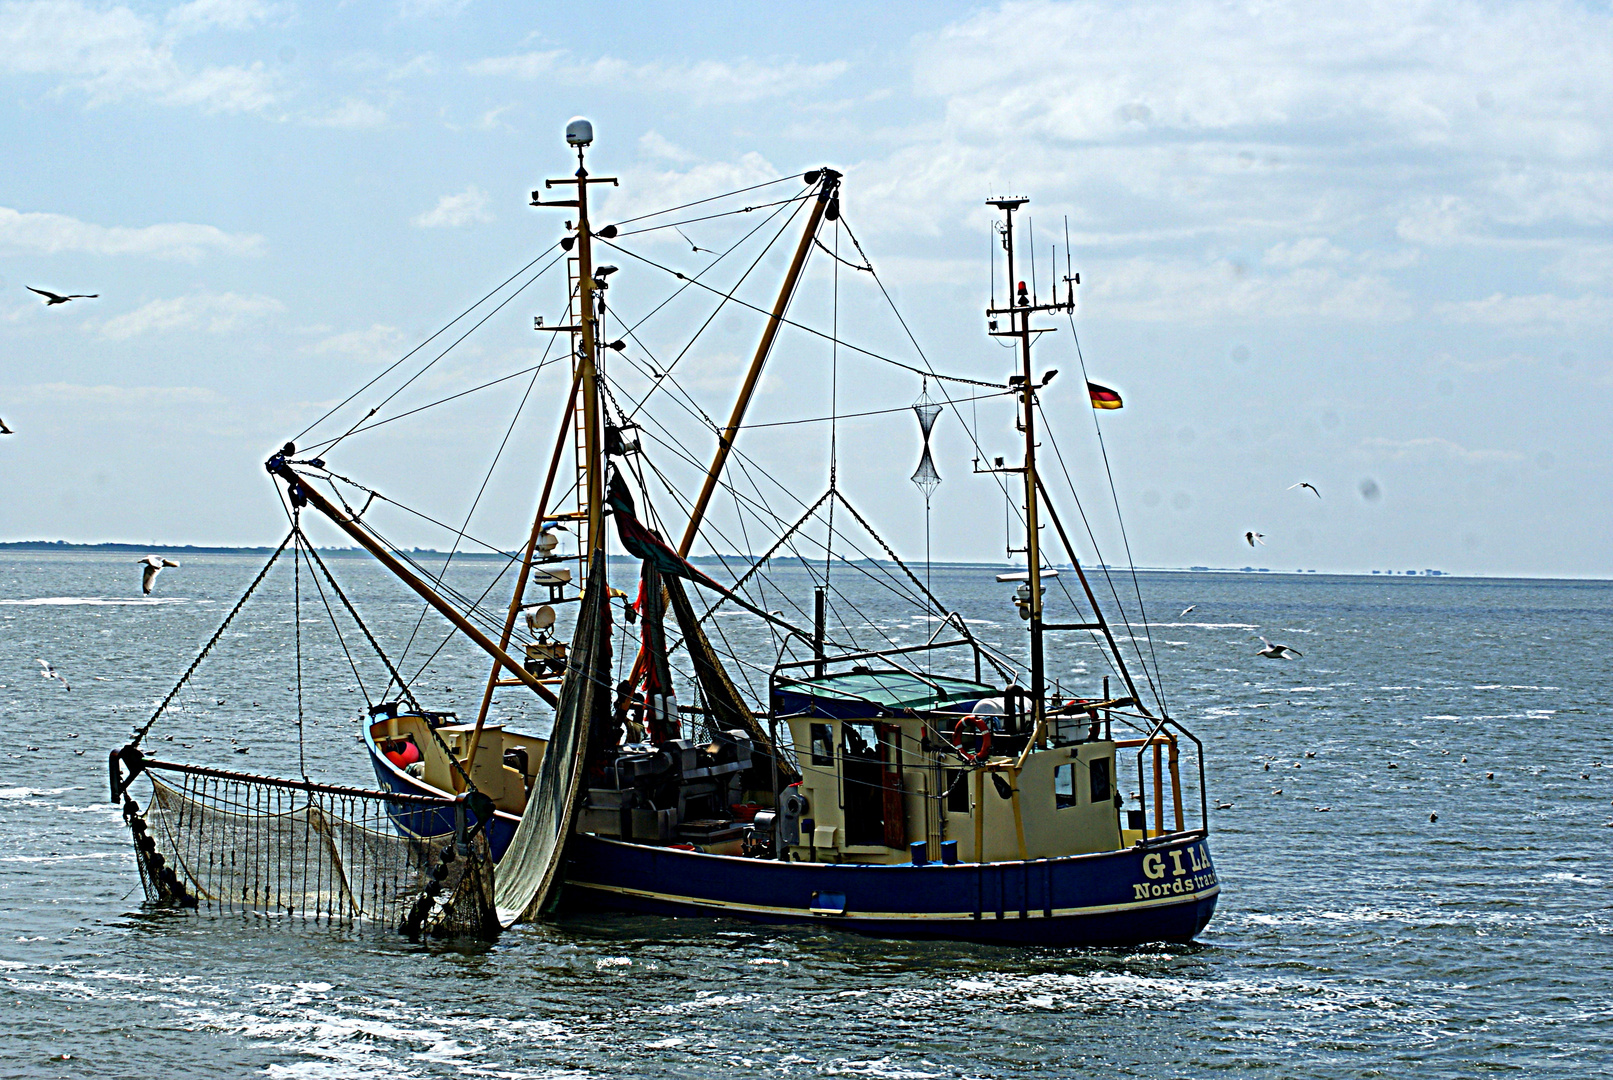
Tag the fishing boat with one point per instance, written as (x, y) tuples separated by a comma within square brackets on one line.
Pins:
[(932, 785)]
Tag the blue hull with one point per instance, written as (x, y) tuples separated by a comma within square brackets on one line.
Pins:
[(1166, 893), (432, 822)]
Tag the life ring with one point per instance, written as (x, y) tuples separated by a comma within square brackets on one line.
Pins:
[(982, 729)]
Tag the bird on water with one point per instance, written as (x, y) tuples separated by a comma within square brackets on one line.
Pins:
[(52, 299), (153, 566)]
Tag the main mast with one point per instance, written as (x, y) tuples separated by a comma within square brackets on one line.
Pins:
[(586, 332), (1021, 306)]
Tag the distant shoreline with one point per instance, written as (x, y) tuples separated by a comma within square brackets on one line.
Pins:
[(61, 547)]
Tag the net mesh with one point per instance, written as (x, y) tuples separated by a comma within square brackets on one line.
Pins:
[(232, 843)]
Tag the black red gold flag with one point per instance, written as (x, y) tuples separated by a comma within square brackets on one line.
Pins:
[(1103, 397)]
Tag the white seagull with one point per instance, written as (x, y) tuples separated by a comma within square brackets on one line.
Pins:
[(1278, 652), (1255, 538), (1188, 608), (48, 672), (153, 566)]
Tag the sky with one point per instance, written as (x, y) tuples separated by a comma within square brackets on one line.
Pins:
[(1363, 245)]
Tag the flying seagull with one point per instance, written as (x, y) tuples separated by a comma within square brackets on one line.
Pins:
[(52, 298), (1254, 538), (5, 430), (1279, 652), (1308, 487), (692, 244), (48, 672), (1188, 608), (153, 566)]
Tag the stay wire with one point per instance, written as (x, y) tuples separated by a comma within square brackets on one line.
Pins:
[(452, 345), (477, 501), (709, 198), (1131, 563), (801, 326), (336, 628), (726, 297), (212, 641), (296, 590), (1125, 619), (393, 367)]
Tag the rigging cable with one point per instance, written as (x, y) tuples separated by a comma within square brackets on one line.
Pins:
[(477, 501), (331, 445), (349, 398), (800, 326), (1142, 610), (1131, 633)]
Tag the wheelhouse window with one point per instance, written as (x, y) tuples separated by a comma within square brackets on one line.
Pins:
[(860, 741), (1064, 786), (1098, 777), (823, 744)]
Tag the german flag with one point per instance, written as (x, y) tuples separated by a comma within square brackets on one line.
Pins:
[(1103, 397)]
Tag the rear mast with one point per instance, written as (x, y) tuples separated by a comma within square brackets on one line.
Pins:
[(1020, 307)]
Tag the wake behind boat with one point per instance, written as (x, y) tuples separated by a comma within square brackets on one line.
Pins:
[(802, 763)]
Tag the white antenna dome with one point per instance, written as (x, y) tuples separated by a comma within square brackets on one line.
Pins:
[(579, 132)]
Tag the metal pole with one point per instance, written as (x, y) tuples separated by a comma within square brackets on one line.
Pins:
[(526, 568), (817, 633)]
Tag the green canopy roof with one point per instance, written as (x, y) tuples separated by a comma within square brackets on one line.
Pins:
[(892, 689)]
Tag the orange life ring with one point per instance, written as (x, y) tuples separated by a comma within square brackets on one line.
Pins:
[(982, 729)]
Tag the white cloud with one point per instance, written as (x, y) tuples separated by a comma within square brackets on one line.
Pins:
[(702, 82), (113, 53), (378, 344), (214, 313), (452, 211), (1435, 446), (222, 14), (1306, 250), (1540, 311), (49, 234), (352, 113), (1178, 290)]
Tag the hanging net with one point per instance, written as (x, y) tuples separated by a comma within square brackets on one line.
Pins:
[(222, 842), (925, 476)]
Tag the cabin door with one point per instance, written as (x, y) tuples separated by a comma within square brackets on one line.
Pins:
[(890, 759), (862, 783)]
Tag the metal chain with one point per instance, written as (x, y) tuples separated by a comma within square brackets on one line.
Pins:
[(194, 664)]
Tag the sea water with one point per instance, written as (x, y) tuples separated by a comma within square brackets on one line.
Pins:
[(1356, 936)]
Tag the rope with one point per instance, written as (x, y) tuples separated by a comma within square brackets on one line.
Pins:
[(348, 399), (403, 686), (337, 589), (709, 198), (296, 623), (217, 634), (799, 326)]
